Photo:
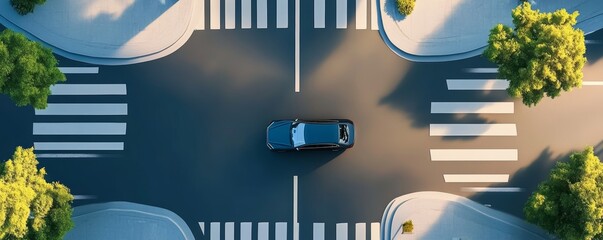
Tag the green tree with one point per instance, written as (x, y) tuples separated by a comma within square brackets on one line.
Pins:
[(543, 54), (405, 6), (25, 6), (30, 207), (570, 203), (407, 227), (27, 70)]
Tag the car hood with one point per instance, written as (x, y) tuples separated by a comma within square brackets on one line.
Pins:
[(279, 135)]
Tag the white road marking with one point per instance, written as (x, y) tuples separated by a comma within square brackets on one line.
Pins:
[(472, 107), (318, 232), (229, 14), (70, 155), (229, 231), (263, 230), (342, 231), (214, 230), (472, 129), (592, 83), (282, 14), (361, 8), (295, 208), (88, 89), (84, 146), (491, 189), (84, 109), (83, 197), (297, 43), (79, 128), (280, 231), (262, 13), (592, 41), (202, 226), (376, 231), (342, 14), (480, 178), (245, 14), (360, 231), (319, 13), (245, 231), (477, 84), (201, 15), (481, 70), (473, 154), (214, 8), (79, 70), (374, 16)]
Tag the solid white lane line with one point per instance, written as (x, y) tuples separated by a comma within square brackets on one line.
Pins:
[(263, 230), (592, 83), (491, 189), (79, 70), (481, 70), (245, 14), (375, 231), (459, 178), (83, 197), (295, 208), (201, 15), (342, 231), (68, 155), (502, 129), (79, 128), (472, 107), (477, 84), (229, 231), (360, 231), (282, 14), (88, 89), (318, 232), (280, 232), (84, 109), (297, 43), (245, 231), (54, 146), (214, 230), (229, 14), (319, 13), (214, 8), (473, 154), (342, 14), (361, 8), (262, 13), (374, 16)]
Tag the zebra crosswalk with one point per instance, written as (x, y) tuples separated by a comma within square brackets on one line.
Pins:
[(281, 230), (228, 13)]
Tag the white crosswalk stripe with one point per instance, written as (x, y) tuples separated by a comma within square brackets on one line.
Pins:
[(495, 129), (319, 230)]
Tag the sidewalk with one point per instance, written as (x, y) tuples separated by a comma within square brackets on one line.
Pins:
[(437, 215), (111, 32), (446, 30)]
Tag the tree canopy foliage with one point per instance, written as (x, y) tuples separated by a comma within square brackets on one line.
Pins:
[(27, 70), (30, 207), (405, 6), (570, 203), (25, 6), (543, 54)]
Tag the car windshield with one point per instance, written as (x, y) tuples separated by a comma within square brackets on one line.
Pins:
[(343, 133), (297, 133)]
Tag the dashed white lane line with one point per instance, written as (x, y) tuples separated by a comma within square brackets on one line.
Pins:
[(495, 129), (79, 70), (88, 89), (473, 154), (111, 109), (69, 155), (83, 197), (79, 146), (297, 46), (592, 83), (472, 107), (491, 189), (482, 70), (476, 178), (79, 128), (477, 84), (295, 209)]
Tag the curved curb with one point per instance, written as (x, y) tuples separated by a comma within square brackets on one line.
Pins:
[(588, 26), (113, 61), (132, 208), (394, 206)]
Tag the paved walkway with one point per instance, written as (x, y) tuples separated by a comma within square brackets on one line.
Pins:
[(437, 215), (124, 220), (445, 30)]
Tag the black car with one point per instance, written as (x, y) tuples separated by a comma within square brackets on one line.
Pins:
[(333, 134)]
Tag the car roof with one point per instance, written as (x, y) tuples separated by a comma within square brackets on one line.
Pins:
[(316, 133)]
